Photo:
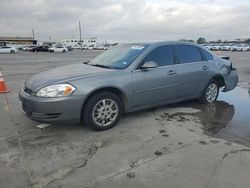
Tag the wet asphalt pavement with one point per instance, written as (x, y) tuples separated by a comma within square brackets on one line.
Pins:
[(227, 118), (161, 147)]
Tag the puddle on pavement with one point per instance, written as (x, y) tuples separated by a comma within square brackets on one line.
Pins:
[(237, 116), (227, 118)]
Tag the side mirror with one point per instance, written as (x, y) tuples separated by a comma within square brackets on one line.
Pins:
[(149, 65)]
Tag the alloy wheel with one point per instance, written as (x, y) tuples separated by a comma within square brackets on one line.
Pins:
[(105, 112), (211, 92)]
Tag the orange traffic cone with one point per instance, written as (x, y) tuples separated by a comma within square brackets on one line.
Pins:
[(3, 87)]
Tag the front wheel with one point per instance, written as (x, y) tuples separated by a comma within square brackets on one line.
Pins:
[(12, 51), (210, 93), (102, 111)]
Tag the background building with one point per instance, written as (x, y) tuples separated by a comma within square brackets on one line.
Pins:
[(17, 41), (76, 43)]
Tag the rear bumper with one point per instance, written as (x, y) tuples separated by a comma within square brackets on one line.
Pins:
[(52, 110), (231, 81)]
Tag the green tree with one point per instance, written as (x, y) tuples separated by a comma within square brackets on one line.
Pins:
[(201, 40), (247, 41)]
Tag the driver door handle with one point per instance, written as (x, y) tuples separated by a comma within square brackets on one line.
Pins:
[(171, 72), (205, 67)]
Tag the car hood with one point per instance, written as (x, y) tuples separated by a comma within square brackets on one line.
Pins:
[(63, 74)]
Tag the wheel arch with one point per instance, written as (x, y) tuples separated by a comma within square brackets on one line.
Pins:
[(117, 91), (220, 79)]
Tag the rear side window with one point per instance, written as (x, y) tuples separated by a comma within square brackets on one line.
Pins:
[(208, 56), (188, 54), (162, 56)]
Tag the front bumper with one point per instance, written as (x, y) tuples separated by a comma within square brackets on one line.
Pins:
[(231, 80), (52, 110)]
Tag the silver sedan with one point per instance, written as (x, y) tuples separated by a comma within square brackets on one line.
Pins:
[(126, 78)]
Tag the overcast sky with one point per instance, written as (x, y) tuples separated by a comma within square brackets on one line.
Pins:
[(126, 20)]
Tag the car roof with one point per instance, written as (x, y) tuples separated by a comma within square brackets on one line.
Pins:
[(164, 43)]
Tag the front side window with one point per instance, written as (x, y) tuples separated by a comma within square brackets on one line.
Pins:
[(119, 57), (207, 55), (162, 56), (188, 54)]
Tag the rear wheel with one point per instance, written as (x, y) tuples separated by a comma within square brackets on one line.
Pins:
[(210, 93), (12, 51), (102, 111), (63, 51)]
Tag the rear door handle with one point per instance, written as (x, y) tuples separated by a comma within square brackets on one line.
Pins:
[(205, 67), (171, 72)]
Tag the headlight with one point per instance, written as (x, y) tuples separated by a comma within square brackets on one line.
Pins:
[(59, 90)]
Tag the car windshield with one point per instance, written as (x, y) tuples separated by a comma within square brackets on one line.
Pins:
[(119, 57)]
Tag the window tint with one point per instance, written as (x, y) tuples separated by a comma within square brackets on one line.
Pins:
[(207, 55), (188, 54), (162, 56)]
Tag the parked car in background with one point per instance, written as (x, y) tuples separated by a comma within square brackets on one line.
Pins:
[(227, 47), (40, 49), (217, 47), (100, 48), (69, 48), (7, 49), (59, 49), (87, 48), (240, 47), (208, 46), (126, 78), (28, 48)]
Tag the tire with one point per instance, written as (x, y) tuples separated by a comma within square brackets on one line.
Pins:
[(213, 85), (94, 104), (12, 51), (63, 51), (52, 51)]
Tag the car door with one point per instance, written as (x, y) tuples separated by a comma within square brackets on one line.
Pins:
[(155, 85), (58, 49), (39, 48), (5, 49), (193, 71)]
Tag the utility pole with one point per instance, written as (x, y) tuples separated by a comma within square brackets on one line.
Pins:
[(33, 34), (80, 32)]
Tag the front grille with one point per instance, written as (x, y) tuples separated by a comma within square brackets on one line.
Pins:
[(27, 90)]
